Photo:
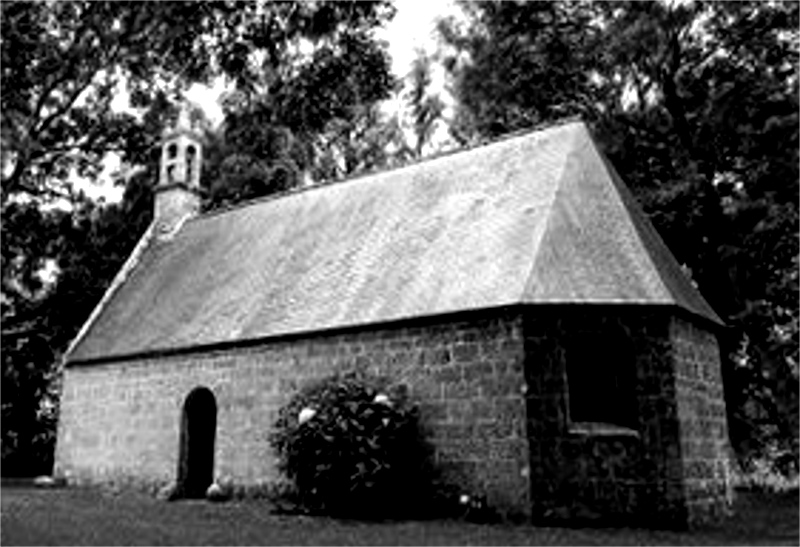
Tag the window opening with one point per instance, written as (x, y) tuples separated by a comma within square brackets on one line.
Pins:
[(191, 158), (601, 376)]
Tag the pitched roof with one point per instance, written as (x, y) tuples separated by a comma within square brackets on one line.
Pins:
[(534, 218)]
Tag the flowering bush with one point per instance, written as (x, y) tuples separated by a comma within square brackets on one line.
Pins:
[(352, 445), (761, 475)]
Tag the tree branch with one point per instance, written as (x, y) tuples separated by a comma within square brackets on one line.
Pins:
[(77, 55), (70, 102), (13, 182)]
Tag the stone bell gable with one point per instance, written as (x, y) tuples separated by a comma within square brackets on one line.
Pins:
[(566, 366), (178, 190)]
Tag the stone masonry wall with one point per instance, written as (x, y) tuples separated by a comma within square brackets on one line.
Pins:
[(624, 474), (705, 446), (120, 422), (493, 390), (666, 468)]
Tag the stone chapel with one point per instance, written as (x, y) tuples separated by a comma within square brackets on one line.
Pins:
[(563, 361)]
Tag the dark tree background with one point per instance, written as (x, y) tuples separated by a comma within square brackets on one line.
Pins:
[(304, 72), (696, 104)]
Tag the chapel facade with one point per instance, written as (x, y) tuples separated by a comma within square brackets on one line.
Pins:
[(564, 363)]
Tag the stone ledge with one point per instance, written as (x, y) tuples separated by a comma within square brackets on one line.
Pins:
[(601, 429)]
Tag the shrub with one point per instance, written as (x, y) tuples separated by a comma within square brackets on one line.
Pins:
[(761, 475), (353, 446)]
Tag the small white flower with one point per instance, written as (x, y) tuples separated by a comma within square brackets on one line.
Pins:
[(385, 422), (382, 399), (305, 415), (463, 499)]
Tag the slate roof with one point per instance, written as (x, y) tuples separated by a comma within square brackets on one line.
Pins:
[(533, 218)]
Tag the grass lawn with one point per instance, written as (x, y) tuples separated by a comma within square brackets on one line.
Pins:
[(75, 516)]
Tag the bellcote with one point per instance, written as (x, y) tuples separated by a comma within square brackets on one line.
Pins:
[(181, 153), (178, 189)]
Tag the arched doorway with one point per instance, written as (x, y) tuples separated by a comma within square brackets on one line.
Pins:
[(198, 432)]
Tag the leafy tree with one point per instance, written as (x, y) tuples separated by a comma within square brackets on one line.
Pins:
[(370, 140), (320, 78), (62, 63), (426, 108), (373, 139), (296, 65), (696, 105), (24, 379), (247, 157), (716, 103), (517, 64), (80, 250)]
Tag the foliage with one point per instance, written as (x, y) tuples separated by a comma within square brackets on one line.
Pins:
[(761, 475), (297, 66), (353, 445), (517, 64), (426, 108), (321, 76), (28, 415), (84, 249), (255, 160), (720, 136), (696, 104), (370, 140), (62, 63)]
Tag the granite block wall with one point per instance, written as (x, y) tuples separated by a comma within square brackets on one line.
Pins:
[(705, 446), (120, 422), (653, 471), (494, 389)]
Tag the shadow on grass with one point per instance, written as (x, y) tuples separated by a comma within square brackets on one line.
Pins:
[(79, 516)]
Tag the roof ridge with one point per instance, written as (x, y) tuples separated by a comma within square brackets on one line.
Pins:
[(371, 172), (652, 243), (547, 221)]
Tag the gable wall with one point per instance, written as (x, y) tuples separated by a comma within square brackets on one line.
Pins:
[(120, 422), (705, 447)]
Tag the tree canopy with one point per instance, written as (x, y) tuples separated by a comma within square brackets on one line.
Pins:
[(321, 71), (62, 63)]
